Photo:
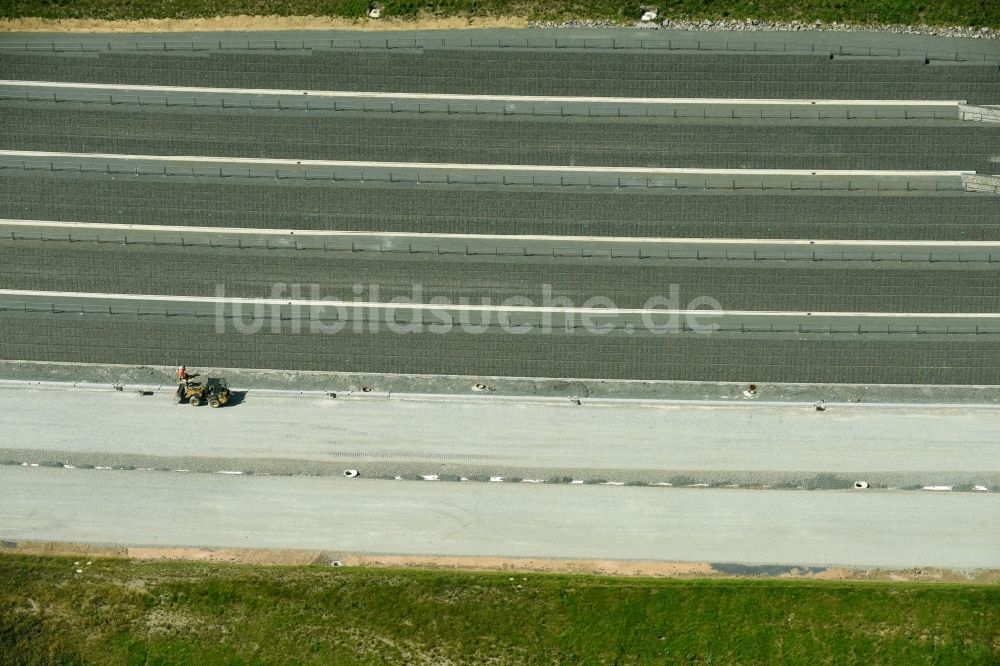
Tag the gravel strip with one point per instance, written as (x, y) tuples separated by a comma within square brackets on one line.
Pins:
[(755, 25)]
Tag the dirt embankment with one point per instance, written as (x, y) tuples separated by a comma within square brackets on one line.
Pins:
[(646, 569), (255, 24)]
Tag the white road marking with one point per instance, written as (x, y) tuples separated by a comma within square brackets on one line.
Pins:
[(348, 94), (417, 307), (481, 167), (244, 231)]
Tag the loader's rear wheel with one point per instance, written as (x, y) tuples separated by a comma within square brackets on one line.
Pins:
[(214, 403), (195, 401)]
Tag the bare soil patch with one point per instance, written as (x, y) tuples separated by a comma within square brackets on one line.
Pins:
[(540, 565), (623, 568), (238, 555)]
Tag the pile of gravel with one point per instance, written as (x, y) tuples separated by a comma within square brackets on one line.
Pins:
[(754, 25)]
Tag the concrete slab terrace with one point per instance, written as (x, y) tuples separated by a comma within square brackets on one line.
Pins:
[(234, 201), (874, 358), (810, 145), (551, 71), (821, 528), (748, 444), (807, 285)]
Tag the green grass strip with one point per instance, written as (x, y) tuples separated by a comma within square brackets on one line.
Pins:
[(124, 612), (908, 12)]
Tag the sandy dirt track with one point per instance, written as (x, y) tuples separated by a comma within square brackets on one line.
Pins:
[(254, 23), (617, 568)]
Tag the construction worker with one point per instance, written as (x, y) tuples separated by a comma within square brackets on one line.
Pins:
[(182, 377)]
